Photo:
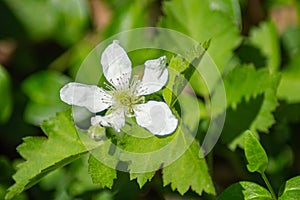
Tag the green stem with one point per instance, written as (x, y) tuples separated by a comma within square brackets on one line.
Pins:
[(269, 186)]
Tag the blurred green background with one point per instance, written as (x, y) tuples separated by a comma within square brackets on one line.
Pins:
[(43, 42)]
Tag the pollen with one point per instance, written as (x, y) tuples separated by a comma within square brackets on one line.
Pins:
[(127, 96)]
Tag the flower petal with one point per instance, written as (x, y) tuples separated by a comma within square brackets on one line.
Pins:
[(116, 65), (155, 76), (115, 120), (91, 97), (156, 117)]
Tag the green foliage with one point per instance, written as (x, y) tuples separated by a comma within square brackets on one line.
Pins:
[(259, 99), (60, 131), (71, 16), (176, 152), (181, 71), (6, 99), (191, 172), (176, 80), (245, 190), (143, 162), (230, 8), (181, 15), (43, 105), (291, 189), (154, 157), (255, 153), (291, 41), (71, 181), (101, 173), (265, 39), (142, 178), (290, 83), (258, 162), (40, 41), (133, 14)]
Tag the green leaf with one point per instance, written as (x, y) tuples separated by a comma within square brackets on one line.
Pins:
[(129, 16), (176, 66), (43, 87), (259, 99), (43, 155), (291, 41), (198, 179), (239, 83), (142, 178), (101, 173), (6, 98), (255, 153), (71, 180), (230, 8), (288, 88), (291, 189), (181, 71), (265, 38), (36, 27), (189, 171), (177, 153), (43, 90), (142, 152), (181, 15), (245, 190), (72, 16)]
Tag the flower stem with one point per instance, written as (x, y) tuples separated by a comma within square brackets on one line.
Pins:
[(269, 185)]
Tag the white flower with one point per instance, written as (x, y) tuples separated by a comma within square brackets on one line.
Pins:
[(124, 98)]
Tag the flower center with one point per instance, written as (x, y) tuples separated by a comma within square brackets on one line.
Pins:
[(126, 97)]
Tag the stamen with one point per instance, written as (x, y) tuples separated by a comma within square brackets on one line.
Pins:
[(109, 86), (124, 94)]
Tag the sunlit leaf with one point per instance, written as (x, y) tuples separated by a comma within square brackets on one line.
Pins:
[(181, 71), (189, 171), (265, 38), (100, 173), (140, 145), (255, 153), (254, 103), (245, 190), (178, 154), (230, 8), (142, 178), (291, 189), (45, 154), (182, 15), (177, 65)]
